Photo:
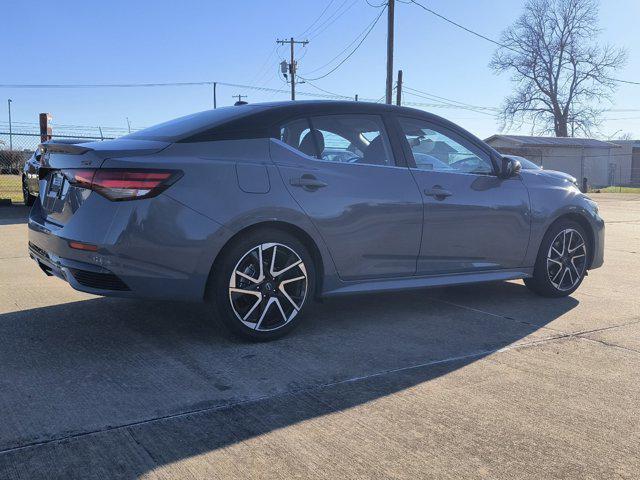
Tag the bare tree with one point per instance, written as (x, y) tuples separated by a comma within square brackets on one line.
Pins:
[(625, 136), (562, 75)]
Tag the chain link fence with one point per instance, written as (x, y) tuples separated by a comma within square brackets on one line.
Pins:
[(620, 179), (611, 172), (613, 168), (15, 150)]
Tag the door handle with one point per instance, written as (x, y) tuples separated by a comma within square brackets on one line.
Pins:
[(437, 192), (307, 181)]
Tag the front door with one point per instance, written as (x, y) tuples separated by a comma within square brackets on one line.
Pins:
[(473, 220), (342, 172)]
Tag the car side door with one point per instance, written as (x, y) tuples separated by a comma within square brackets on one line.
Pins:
[(473, 219), (342, 171)]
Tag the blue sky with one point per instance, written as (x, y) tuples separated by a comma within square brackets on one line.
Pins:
[(167, 41)]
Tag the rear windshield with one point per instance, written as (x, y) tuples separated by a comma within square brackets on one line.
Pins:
[(179, 128)]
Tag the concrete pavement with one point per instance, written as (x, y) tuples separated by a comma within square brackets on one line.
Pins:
[(482, 381)]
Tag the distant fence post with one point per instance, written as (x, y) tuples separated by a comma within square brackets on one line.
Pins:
[(45, 129)]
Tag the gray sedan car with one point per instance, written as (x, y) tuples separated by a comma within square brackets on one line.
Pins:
[(243, 208)]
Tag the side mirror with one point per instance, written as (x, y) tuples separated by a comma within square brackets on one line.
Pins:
[(509, 167)]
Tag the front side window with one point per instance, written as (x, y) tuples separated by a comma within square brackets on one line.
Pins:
[(438, 151), (358, 139)]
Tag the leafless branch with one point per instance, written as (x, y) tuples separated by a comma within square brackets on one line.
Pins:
[(561, 76)]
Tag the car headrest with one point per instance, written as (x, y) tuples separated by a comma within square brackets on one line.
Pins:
[(312, 140), (375, 153)]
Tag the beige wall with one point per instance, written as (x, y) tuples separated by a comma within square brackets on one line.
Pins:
[(590, 162)]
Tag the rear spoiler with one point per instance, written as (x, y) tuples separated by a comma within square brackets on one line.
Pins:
[(52, 146), (71, 153)]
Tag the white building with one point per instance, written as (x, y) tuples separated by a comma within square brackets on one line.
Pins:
[(601, 163)]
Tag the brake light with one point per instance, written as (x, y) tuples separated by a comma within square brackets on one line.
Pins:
[(123, 184)]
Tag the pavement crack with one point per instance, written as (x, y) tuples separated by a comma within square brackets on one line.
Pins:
[(497, 315), (156, 462), (303, 390), (612, 345), (562, 334)]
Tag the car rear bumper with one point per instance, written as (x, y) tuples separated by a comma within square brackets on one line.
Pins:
[(154, 248), (82, 276)]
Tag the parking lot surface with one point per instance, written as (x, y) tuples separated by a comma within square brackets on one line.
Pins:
[(483, 381)]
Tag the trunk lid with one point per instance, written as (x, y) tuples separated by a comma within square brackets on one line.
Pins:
[(59, 199)]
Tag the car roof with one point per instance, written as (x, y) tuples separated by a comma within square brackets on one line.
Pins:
[(263, 118), (312, 107)]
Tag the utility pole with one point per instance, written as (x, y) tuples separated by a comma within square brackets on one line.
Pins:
[(10, 132), (215, 100), (390, 13), (128, 124), (292, 62), (240, 101), (399, 89), (45, 127)]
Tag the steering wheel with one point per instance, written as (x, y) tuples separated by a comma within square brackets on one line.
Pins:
[(467, 164), (354, 159)]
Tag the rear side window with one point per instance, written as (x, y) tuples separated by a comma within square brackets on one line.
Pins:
[(357, 139)]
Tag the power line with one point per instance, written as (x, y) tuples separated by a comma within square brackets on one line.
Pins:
[(316, 20), (331, 20), (450, 100), (440, 105), (105, 85), (345, 49), (336, 95), (262, 71), (352, 52), (495, 42), (321, 24), (169, 84), (447, 105)]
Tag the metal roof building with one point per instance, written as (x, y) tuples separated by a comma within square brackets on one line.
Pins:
[(601, 163)]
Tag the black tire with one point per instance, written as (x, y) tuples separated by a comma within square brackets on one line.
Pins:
[(569, 272), (275, 299), (29, 199)]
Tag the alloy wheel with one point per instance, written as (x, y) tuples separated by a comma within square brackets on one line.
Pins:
[(268, 287), (566, 259)]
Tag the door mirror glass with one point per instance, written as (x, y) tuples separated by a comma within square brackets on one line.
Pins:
[(510, 167)]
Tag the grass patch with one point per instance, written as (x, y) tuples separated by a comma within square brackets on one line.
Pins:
[(616, 190), (11, 187)]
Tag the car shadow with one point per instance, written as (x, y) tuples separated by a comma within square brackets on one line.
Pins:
[(183, 387), (14, 215)]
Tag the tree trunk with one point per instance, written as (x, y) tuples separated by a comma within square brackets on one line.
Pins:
[(561, 127)]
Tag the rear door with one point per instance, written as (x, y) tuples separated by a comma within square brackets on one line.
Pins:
[(342, 171), (473, 220)]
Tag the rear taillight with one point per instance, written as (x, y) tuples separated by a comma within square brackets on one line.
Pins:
[(123, 184)]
